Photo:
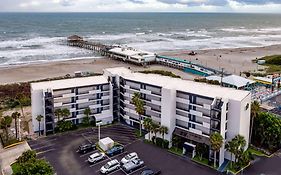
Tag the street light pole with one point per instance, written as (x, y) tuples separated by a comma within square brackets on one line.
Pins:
[(99, 123)]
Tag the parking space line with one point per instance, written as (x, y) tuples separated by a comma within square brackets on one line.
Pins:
[(86, 138), (111, 158), (89, 153), (134, 171), (45, 151), (42, 147), (99, 162), (115, 171)]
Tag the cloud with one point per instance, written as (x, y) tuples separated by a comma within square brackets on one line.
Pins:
[(258, 2), (141, 5)]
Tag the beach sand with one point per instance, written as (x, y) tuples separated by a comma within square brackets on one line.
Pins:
[(232, 60), (25, 73)]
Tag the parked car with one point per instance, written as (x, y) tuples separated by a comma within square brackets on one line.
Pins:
[(85, 148), (110, 166), (115, 150), (133, 165), (149, 171), (129, 157), (96, 157)]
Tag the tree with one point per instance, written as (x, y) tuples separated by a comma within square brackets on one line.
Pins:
[(216, 141), (39, 118), (5, 124), (267, 131), (65, 113), (147, 124), (58, 113), (163, 130), (27, 156), (38, 167), (239, 146), (155, 128), (29, 165), (176, 141), (201, 149), (255, 109), (15, 116), (139, 107), (230, 147), (23, 101), (87, 113)]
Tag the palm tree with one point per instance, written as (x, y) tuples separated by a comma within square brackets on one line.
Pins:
[(20, 99), (58, 113), (163, 130), (216, 141), (240, 143), (139, 107), (147, 124), (65, 113), (255, 110), (5, 124), (231, 147), (155, 128), (15, 116), (87, 113), (39, 118)]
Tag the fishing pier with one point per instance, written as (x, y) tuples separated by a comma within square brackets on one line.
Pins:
[(129, 54)]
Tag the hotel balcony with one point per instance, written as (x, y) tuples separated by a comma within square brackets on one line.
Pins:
[(58, 104), (95, 91), (182, 118), (82, 101), (68, 95), (183, 100), (95, 106)]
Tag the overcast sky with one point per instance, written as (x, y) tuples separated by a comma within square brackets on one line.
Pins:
[(263, 6)]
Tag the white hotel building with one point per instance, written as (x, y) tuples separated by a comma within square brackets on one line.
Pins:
[(190, 110)]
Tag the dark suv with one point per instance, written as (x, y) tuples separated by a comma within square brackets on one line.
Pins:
[(86, 148), (115, 150)]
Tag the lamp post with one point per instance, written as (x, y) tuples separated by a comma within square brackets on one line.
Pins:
[(99, 123)]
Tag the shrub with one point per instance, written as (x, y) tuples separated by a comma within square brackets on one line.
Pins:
[(159, 141), (165, 144), (27, 156), (153, 139), (161, 72), (63, 126)]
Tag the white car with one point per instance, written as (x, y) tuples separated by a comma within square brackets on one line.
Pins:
[(129, 157), (96, 157), (110, 166)]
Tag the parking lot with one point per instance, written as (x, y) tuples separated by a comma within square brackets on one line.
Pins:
[(60, 151)]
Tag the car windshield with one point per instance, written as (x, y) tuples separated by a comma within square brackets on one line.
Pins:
[(127, 157), (106, 166)]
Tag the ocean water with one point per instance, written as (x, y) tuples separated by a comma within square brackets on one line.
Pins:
[(41, 37)]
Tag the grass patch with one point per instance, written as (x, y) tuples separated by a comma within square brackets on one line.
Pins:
[(176, 151), (272, 59), (256, 152), (160, 72), (15, 167), (203, 161), (233, 170), (273, 63)]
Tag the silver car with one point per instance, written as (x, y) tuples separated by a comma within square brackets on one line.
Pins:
[(133, 165), (96, 157), (129, 157)]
